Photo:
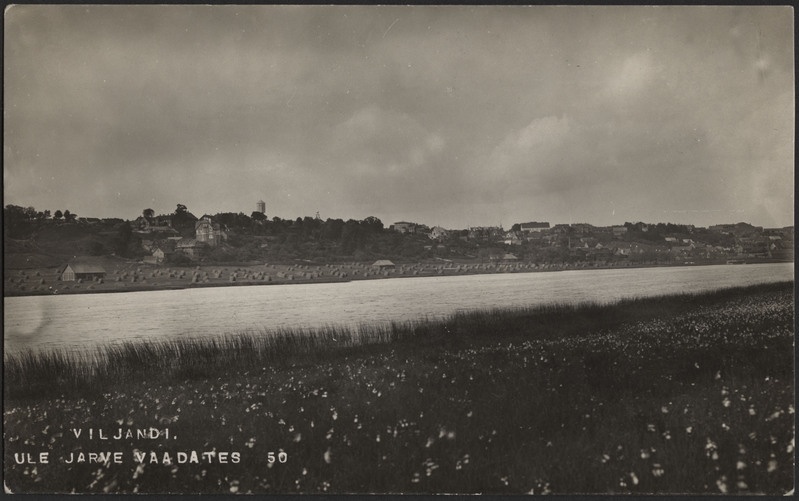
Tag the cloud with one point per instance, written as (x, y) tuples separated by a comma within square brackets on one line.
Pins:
[(426, 112), (385, 143), (532, 152), (632, 76)]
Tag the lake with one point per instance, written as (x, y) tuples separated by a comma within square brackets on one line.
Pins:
[(87, 320)]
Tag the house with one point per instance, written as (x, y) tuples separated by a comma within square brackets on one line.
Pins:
[(438, 233), (160, 252), (160, 255), (190, 247), (503, 258), (486, 232), (207, 231), (682, 249), (619, 231), (582, 228), (512, 238), (724, 229), (82, 271), (384, 264), (533, 227), (404, 227), (164, 231), (622, 249), (160, 225)]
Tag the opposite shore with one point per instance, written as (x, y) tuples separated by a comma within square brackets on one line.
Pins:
[(132, 276)]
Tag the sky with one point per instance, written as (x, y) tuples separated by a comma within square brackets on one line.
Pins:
[(454, 116)]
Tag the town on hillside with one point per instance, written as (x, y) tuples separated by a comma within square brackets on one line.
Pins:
[(67, 248)]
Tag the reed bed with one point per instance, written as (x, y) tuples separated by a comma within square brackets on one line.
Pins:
[(34, 372)]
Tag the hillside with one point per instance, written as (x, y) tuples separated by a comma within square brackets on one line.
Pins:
[(35, 241)]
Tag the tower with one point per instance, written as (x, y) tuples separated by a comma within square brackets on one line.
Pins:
[(261, 207)]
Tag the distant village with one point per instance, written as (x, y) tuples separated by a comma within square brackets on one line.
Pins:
[(183, 239), (580, 241)]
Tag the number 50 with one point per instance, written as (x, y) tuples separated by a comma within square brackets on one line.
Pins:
[(282, 457)]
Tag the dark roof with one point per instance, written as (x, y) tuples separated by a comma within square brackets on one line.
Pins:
[(86, 268), (167, 246), (188, 242)]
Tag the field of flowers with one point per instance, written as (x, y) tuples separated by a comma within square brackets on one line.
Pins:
[(691, 394)]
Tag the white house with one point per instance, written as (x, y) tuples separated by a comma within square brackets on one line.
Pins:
[(437, 233)]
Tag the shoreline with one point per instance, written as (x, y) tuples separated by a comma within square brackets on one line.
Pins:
[(452, 270), (461, 328)]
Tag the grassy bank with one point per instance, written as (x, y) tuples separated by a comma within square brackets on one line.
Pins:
[(688, 393)]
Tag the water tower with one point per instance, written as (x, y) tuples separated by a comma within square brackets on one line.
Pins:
[(261, 207)]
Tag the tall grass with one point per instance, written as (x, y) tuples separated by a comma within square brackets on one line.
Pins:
[(31, 373)]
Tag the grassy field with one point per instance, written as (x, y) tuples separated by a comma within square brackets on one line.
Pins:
[(683, 394)]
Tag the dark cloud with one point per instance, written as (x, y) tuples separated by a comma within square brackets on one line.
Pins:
[(446, 115)]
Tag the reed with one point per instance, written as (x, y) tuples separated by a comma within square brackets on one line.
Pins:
[(42, 372)]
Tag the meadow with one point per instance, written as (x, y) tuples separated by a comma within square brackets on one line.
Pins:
[(677, 394)]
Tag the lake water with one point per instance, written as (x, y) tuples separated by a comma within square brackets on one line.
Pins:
[(86, 320)]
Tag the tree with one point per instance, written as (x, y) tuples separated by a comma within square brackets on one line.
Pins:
[(258, 216), (181, 209), (331, 230), (58, 215), (69, 217), (516, 227), (13, 219), (373, 224), (179, 259), (148, 213), (123, 238), (127, 244)]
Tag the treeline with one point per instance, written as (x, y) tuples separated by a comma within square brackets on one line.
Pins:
[(17, 219), (312, 238)]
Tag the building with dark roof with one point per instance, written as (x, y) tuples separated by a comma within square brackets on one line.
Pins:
[(82, 271)]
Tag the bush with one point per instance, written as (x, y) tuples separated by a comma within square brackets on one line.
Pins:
[(178, 259)]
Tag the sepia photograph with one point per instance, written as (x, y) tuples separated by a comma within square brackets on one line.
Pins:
[(401, 249)]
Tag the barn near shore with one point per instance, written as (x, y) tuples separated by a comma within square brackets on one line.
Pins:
[(82, 271)]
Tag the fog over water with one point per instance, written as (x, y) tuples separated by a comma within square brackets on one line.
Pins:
[(88, 320)]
